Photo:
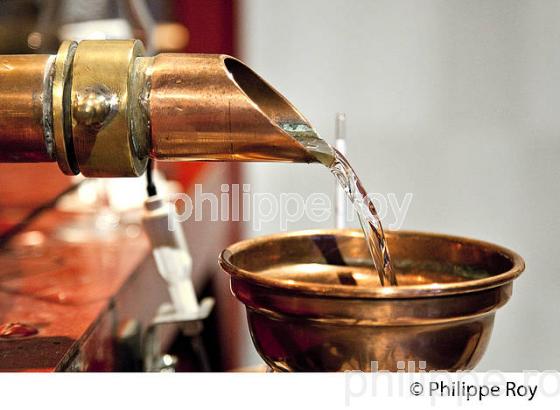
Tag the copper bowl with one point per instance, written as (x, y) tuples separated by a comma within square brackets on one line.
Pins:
[(314, 304)]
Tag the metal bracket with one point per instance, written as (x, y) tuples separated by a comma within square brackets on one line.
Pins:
[(191, 324)]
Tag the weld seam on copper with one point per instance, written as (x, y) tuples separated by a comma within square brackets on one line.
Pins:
[(66, 111), (140, 88), (47, 120)]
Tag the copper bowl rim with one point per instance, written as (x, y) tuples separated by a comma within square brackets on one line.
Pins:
[(388, 292)]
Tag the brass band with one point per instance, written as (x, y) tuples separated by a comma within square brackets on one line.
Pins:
[(101, 103)]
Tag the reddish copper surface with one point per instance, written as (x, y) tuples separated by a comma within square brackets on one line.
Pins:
[(21, 108), (76, 296), (61, 290), (27, 186)]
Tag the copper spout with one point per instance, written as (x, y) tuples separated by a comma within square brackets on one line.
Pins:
[(214, 108)]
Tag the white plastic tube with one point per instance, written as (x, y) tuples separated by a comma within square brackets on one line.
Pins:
[(340, 196), (171, 254)]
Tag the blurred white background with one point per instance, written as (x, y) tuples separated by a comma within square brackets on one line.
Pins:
[(457, 102)]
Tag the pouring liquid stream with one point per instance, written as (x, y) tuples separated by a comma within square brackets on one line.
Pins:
[(368, 217), (339, 166)]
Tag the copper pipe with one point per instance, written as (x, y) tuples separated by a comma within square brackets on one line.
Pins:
[(25, 130), (101, 109)]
